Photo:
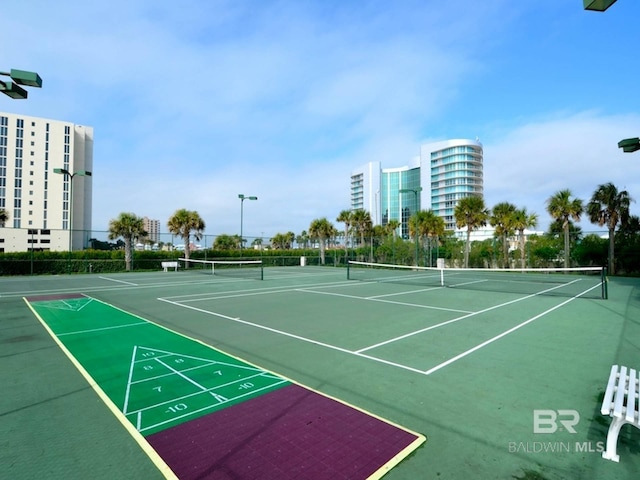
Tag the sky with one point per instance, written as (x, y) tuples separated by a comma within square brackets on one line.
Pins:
[(197, 101)]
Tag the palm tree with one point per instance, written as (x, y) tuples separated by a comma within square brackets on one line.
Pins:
[(361, 221), (4, 216), (303, 239), (392, 227), (521, 221), (130, 227), (435, 228), (346, 217), (501, 219), (609, 207), (470, 212), (563, 208), (321, 229), (182, 223), (428, 225)]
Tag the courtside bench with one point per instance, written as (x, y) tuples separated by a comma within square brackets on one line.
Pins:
[(621, 403), (167, 265)]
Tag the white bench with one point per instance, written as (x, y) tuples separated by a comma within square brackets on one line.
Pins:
[(167, 265), (621, 403)]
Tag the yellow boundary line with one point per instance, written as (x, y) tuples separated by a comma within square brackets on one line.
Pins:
[(137, 436), (157, 459)]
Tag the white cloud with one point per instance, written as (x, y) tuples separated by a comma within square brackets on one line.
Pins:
[(530, 163)]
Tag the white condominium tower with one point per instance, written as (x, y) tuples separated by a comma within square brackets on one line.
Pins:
[(455, 168), (45, 183), (443, 174)]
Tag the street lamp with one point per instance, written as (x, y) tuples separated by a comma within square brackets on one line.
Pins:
[(629, 145), (19, 77), (415, 192), (70, 176), (242, 199)]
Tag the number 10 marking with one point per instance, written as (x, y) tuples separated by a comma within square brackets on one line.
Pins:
[(178, 407)]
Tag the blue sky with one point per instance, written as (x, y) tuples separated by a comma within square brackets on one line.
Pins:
[(194, 102)]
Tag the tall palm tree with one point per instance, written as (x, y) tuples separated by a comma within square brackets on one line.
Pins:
[(392, 227), (130, 227), (182, 223), (521, 221), (321, 229), (428, 226), (303, 239), (563, 208), (362, 223), (470, 212), (4, 216), (501, 219), (345, 217), (608, 206)]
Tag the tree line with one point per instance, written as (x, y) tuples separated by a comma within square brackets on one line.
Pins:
[(608, 207)]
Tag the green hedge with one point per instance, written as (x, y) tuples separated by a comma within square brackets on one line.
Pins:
[(101, 261)]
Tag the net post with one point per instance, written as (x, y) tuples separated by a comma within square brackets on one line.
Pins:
[(261, 271), (605, 288), (348, 269)]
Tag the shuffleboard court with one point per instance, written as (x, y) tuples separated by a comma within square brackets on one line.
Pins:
[(201, 413)]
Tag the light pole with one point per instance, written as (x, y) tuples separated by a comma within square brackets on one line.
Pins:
[(70, 176), (242, 199), (415, 192), (19, 77)]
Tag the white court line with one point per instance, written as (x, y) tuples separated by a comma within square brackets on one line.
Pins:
[(208, 407), (453, 320), (248, 292), (220, 398), (100, 329), (376, 299), (126, 393), (205, 390), (119, 281), (291, 335), (405, 293), (504, 334), (360, 353)]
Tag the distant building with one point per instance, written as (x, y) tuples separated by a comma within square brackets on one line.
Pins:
[(44, 207), (443, 174), (152, 227)]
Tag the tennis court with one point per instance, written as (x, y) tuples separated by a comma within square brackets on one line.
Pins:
[(465, 367)]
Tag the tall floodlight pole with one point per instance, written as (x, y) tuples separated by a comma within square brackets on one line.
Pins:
[(415, 192), (68, 175), (629, 145), (19, 77), (597, 5), (242, 199)]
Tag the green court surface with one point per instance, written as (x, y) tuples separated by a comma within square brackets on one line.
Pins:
[(154, 377), (467, 369)]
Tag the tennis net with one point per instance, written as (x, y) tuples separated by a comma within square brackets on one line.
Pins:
[(232, 268), (589, 282)]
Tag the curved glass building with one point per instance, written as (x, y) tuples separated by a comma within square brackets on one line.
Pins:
[(444, 173), (455, 172)]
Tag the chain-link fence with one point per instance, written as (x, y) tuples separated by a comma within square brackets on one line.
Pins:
[(39, 251)]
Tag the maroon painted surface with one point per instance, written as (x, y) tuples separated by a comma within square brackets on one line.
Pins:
[(285, 434)]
